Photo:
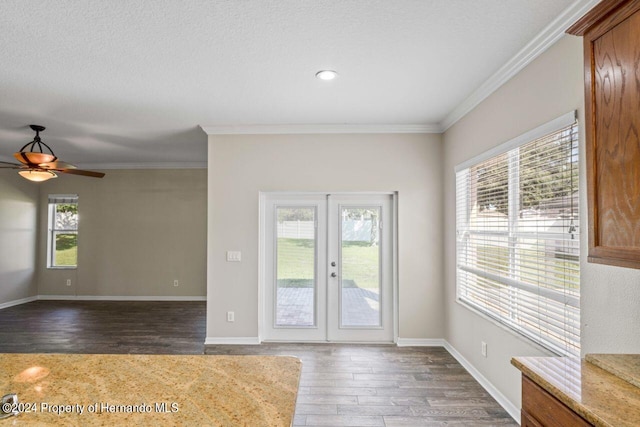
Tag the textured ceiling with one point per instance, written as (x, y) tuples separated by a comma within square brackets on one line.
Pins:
[(129, 82)]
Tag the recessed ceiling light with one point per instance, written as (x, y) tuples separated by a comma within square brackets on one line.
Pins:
[(326, 74)]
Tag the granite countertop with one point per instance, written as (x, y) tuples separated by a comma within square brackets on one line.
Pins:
[(625, 366), (597, 395), (81, 390)]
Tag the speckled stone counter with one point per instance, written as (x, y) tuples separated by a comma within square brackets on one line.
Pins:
[(82, 390), (598, 396), (625, 366)]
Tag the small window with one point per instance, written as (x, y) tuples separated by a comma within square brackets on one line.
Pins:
[(63, 231), (518, 240)]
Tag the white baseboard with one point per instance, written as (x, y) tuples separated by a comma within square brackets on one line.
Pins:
[(232, 341), (17, 302), (119, 298), (420, 342), (485, 383)]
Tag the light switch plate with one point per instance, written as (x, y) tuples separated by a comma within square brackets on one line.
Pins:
[(234, 256)]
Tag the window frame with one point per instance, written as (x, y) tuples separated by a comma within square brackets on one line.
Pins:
[(53, 201), (510, 149)]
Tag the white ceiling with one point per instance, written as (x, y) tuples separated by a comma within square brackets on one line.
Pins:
[(120, 83)]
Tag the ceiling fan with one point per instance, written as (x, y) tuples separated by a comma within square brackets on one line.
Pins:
[(38, 165)]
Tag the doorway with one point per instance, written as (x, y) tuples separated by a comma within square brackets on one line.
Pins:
[(328, 267)]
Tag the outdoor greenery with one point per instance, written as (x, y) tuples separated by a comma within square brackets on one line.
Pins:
[(65, 226), (539, 186), (296, 264), (71, 208), (360, 265), (66, 250), (496, 260)]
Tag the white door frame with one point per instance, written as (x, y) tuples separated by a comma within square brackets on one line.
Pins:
[(262, 238)]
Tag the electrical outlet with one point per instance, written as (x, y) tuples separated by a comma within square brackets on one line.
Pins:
[(234, 256), (176, 283), (68, 282), (484, 349), (231, 316)]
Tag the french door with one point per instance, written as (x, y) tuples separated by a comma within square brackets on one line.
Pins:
[(328, 268)]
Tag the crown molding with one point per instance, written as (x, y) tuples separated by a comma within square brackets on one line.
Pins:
[(318, 129), (133, 165), (138, 165), (160, 165), (545, 39)]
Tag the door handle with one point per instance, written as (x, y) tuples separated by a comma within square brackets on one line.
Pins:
[(334, 274)]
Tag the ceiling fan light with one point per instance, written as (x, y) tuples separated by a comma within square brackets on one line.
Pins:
[(37, 175)]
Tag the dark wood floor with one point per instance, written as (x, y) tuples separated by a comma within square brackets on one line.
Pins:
[(137, 327), (341, 385)]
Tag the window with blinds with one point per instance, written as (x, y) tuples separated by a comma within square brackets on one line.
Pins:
[(518, 242), (63, 231)]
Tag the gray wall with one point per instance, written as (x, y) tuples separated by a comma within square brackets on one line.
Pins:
[(18, 237), (610, 297), (243, 165), (139, 230)]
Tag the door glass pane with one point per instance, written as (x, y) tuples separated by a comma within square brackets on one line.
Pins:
[(360, 267), (296, 266)]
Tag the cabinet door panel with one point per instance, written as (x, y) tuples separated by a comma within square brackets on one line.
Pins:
[(546, 409), (611, 32)]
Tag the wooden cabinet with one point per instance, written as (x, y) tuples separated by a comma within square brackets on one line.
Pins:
[(611, 32), (528, 421), (540, 409)]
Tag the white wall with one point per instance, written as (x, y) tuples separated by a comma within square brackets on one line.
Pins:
[(139, 230), (18, 237), (241, 166), (610, 297)]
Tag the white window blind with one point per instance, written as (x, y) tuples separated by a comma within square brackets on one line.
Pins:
[(63, 198), (518, 244)]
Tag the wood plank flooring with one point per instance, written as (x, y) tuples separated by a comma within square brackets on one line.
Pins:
[(383, 385), (341, 385)]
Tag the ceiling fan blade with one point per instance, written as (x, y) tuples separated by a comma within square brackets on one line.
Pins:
[(9, 164), (81, 172), (58, 165)]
